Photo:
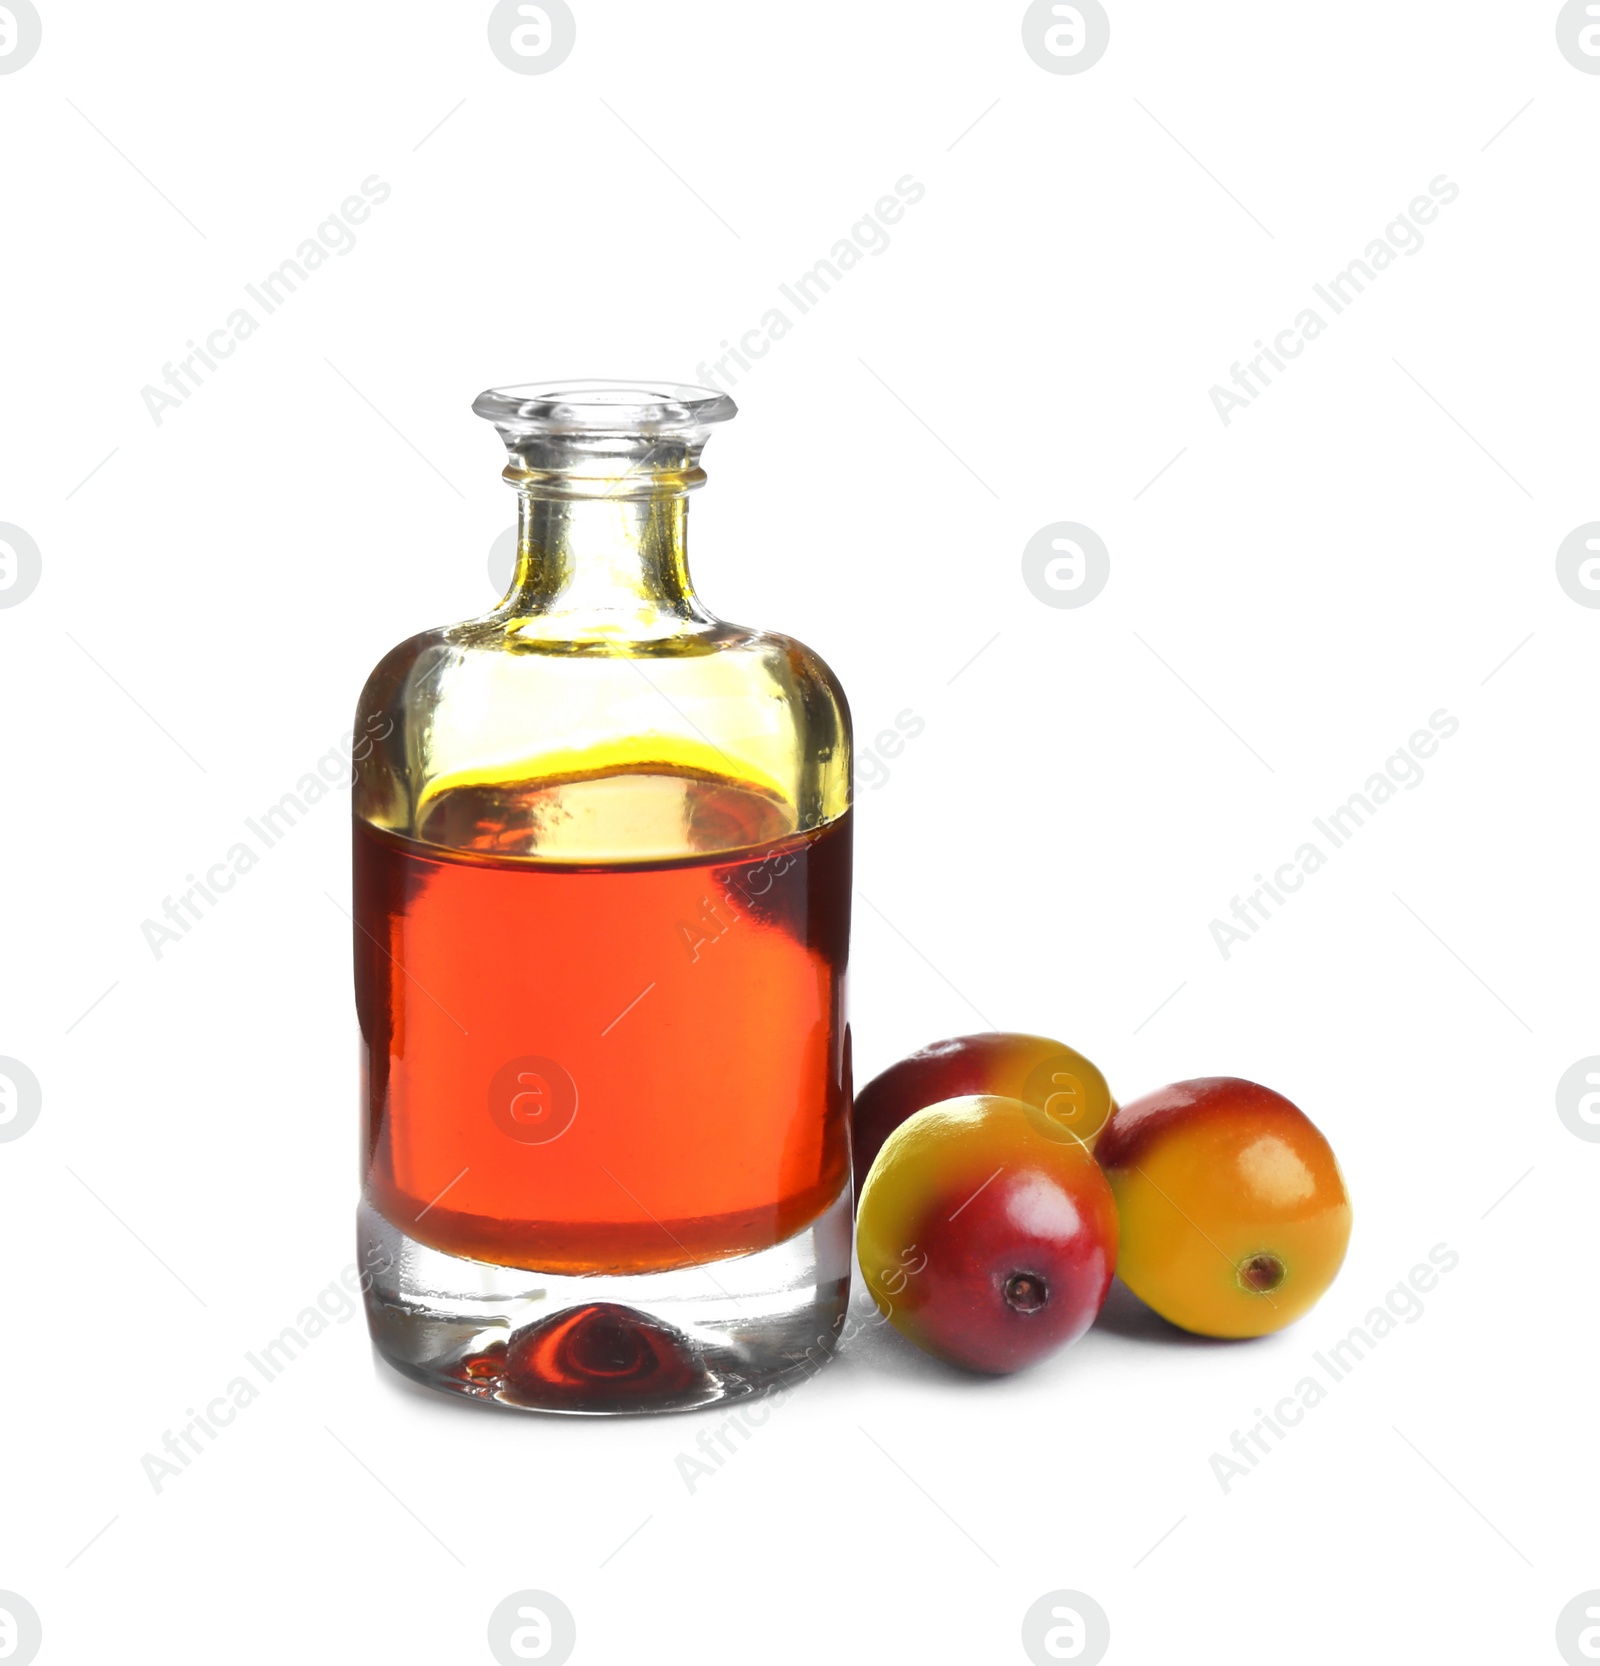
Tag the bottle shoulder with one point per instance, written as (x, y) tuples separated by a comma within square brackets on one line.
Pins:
[(502, 632), (440, 663), (485, 701)]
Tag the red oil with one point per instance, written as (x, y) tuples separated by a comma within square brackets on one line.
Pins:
[(619, 1067)]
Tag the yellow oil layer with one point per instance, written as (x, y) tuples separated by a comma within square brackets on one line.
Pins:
[(633, 754), (636, 810)]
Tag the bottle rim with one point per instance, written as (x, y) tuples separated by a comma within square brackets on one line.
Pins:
[(600, 405)]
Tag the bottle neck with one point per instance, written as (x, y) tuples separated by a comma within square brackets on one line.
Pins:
[(608, 565)]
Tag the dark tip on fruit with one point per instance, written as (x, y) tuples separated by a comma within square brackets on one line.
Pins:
[(1026, 1292), (1261, 1274)]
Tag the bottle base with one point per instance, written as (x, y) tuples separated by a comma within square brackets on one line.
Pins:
[(608, 1344)]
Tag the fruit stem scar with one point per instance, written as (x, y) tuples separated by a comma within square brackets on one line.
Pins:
[(1203, 1233), (1261, 1273), (1026, 1292)]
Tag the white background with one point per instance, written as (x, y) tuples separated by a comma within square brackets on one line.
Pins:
[(1287, 602)]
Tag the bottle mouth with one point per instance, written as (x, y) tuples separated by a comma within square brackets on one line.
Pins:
[(604, 439), (598, 406)]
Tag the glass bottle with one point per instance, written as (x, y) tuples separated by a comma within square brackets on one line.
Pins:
[(602, 902)]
